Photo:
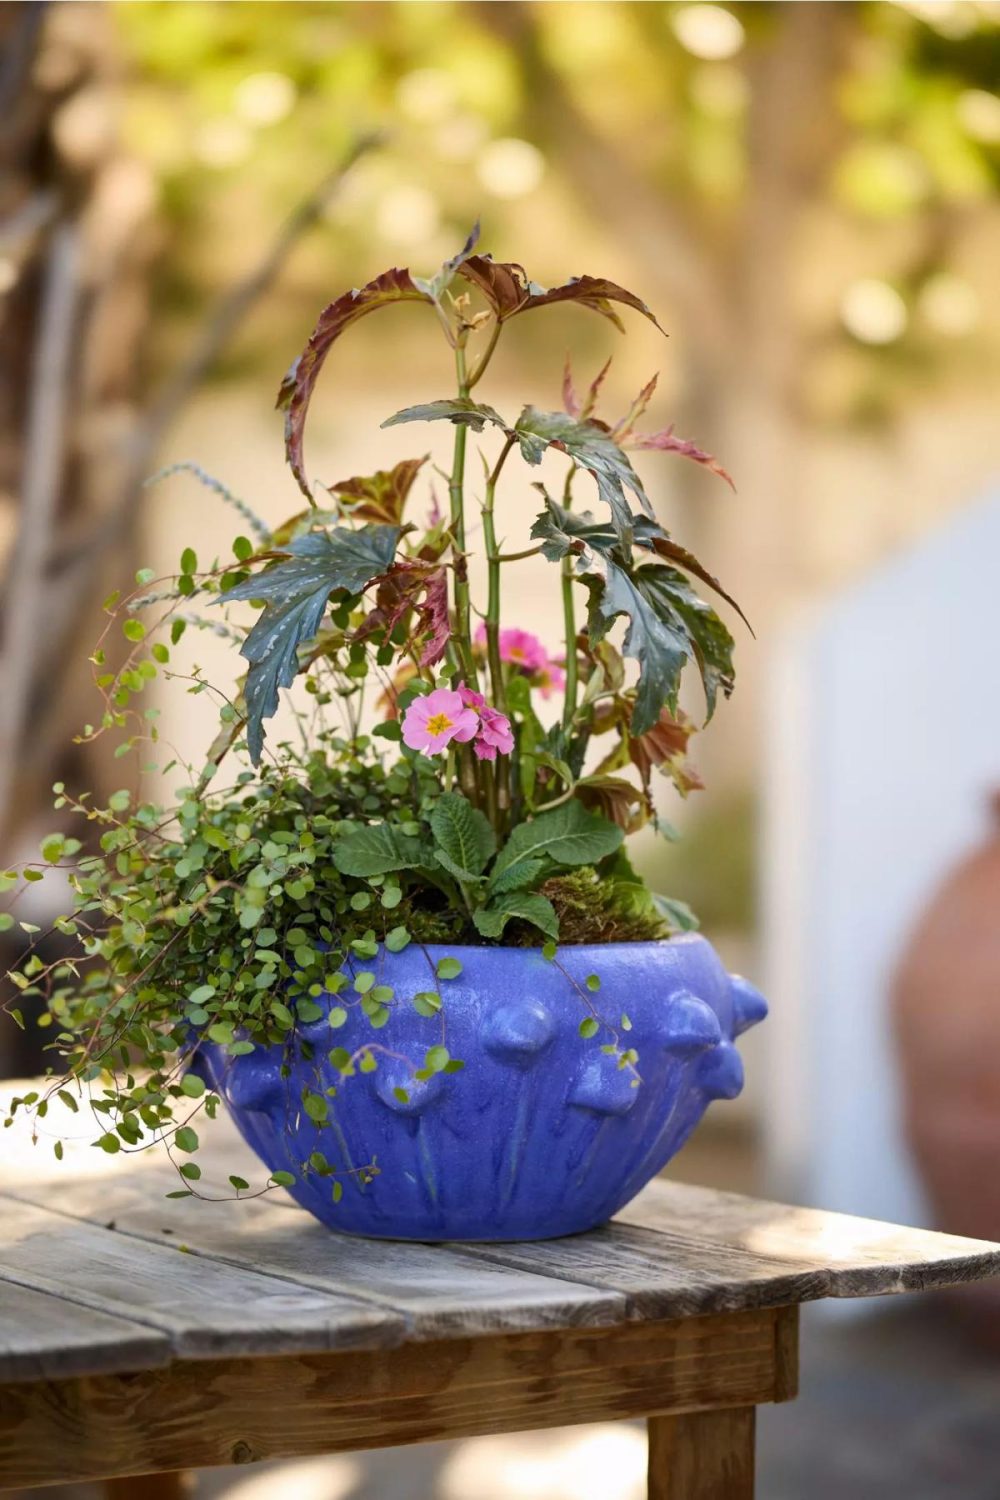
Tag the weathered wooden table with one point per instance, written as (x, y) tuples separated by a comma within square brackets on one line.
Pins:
[(144, 1337)]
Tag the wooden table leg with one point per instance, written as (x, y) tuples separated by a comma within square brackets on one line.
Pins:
[(702, 1455), (172, 1486)]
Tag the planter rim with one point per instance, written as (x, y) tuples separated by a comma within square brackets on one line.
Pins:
[(645, 945)]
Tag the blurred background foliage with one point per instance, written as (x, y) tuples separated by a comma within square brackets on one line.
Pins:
[(806, 193)]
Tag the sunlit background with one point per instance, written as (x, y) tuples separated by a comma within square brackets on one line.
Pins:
[(807, 196)]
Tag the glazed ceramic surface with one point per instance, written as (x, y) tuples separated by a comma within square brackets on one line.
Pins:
[(541, 1133)]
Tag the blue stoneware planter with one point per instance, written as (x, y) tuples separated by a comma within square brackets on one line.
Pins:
[(541, 1133)]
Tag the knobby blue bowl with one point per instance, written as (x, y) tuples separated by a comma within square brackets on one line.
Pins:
[(541, 1133)]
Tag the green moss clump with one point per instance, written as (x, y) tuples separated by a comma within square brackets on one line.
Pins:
[(610, 909)]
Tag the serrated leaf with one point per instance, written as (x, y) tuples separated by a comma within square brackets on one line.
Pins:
[(462, 833), (297, 387), (517, 877), (376, 849), (461, 409), (462, 876), (509, 292), (592, 448), (568, 835), (295, 593), (525, 906), (382, 496)]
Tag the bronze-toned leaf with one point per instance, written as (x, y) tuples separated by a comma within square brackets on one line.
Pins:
[(396, 285), (507, 289), (666, 442), (571, 401), (412, 586), (664, 748), (623, 429), (381, 496), (615, 799)]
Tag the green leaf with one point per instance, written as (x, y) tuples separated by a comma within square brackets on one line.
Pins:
[(52, 848), (448, 968), (593, 982), (588, 1027), (186, 1139), (190, 1170), (437, 1059), (669, 624), (192, 1085), (283, 1179), (316, 1107), (189, 560), (376, 849), (296, 592), (462, 411), (240, 1184), (427, 1002), (462, 833), (397, 938), (568, 835), (526, 906), (677, 913), (593, 449), (517, 877), (462, 876)]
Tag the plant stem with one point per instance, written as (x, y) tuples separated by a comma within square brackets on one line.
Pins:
[(569, 616), (456, 495), (462, 638), (497, 686), (493, 582)]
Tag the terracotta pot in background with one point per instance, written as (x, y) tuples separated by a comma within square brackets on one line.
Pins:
[(946, 1004)]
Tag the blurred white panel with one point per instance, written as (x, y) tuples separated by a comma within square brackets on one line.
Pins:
[(886, 717)]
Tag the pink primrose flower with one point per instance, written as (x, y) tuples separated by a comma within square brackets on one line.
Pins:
[(495, 734), (550, 679), (432, 722)]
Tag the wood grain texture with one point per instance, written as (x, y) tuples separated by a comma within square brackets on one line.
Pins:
[(850, 1257), (436, 1291), (662, 1274), (702, 1455), (205, 1308), (243, 1411), (43, 1337)]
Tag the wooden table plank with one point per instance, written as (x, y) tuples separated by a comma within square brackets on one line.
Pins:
[(854, 1257), (439, 1292), (44, 1337), (661, 1274), (206, 1309), (245, 1411)]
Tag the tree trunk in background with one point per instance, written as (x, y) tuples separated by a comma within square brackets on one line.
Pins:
[(77, 237)]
